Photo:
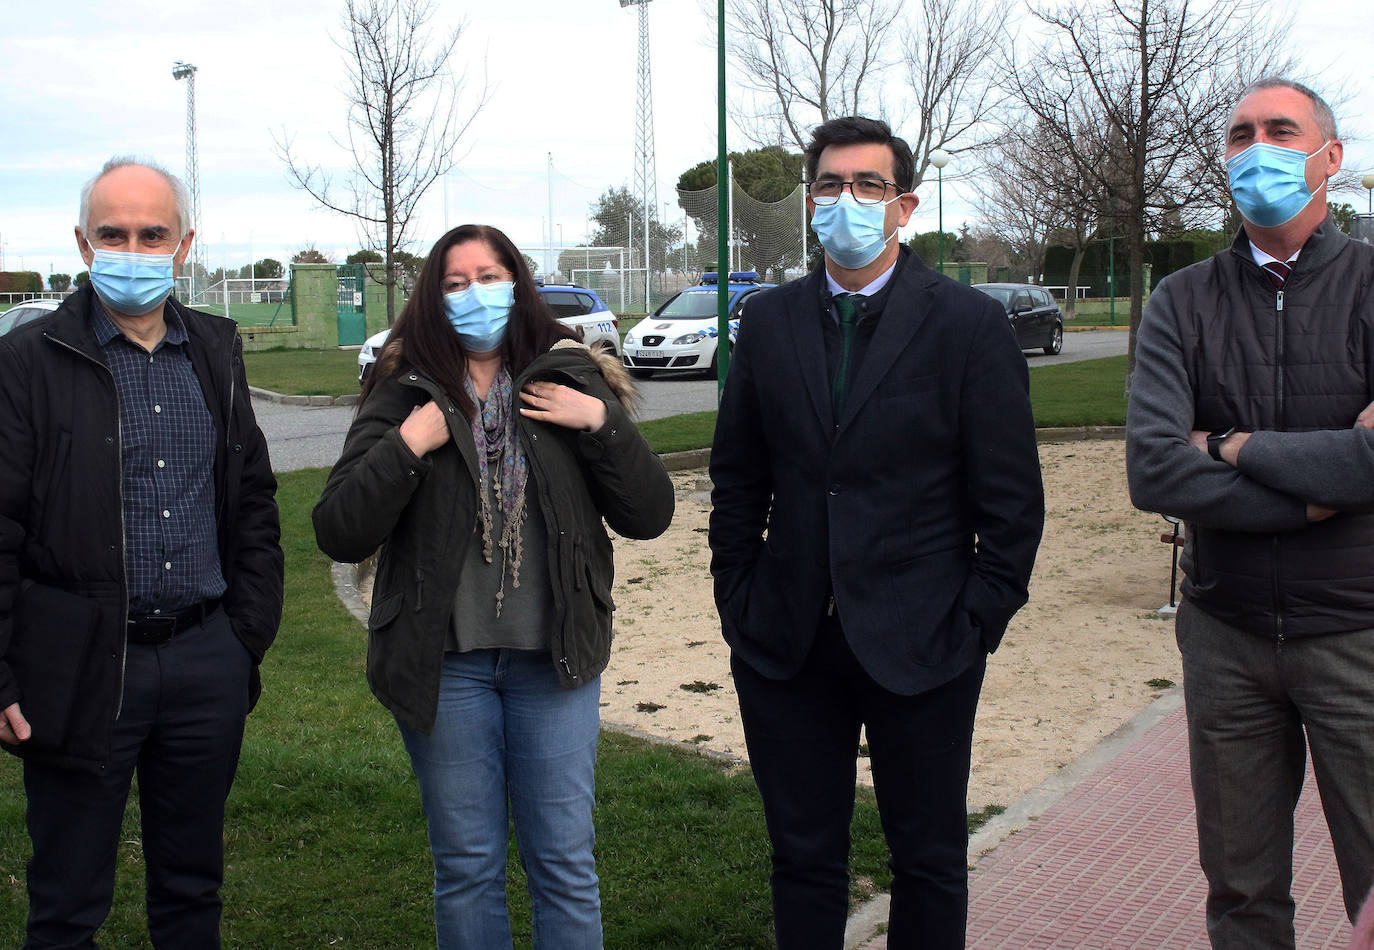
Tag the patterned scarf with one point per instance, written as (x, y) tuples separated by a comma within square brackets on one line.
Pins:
[(498, 445)]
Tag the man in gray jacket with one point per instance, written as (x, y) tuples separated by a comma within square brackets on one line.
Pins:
[(1249, 420)]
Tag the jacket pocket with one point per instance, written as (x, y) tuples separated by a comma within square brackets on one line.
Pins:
[(600, 590), (385, 611), (50, 647)]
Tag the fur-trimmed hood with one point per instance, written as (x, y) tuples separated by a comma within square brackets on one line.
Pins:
[(611, 368)]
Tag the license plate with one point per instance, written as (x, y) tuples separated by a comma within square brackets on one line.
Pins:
[(651, 354)]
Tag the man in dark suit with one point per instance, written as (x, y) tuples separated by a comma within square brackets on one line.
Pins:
[(877, 508)]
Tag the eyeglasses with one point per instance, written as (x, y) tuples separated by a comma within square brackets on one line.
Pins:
[(866, 191), (458, 285)]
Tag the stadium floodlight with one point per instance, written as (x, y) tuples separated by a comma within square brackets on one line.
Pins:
[(187, 72), (646, 185)]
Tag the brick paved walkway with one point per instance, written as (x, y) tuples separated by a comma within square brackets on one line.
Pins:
[(1113, 864)]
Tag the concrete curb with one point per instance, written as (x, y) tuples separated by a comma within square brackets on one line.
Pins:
[(286, 400), (1035, 802), (1080, 433)]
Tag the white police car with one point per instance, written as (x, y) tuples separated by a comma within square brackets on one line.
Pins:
[(574, 306), (682, 333)]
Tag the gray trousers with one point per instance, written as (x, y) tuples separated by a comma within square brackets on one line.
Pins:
[(1249, 701)]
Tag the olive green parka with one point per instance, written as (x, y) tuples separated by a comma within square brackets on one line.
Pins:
[(422, 512)]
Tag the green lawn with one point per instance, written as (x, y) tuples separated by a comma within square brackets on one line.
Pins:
[(325, 839), (1090, 392), (1086, 393), (331, 372), (255, 314)]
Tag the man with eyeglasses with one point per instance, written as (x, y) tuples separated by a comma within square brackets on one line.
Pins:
[(877, 506)]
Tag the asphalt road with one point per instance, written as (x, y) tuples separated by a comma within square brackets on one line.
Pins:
[(311, 436)]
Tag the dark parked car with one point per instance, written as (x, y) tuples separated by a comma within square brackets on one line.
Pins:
[(1034, 315)]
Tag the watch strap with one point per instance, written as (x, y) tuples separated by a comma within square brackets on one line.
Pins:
[(1214, 443)]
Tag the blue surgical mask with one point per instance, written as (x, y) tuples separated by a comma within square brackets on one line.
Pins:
[(852, 233), (1269, 183), (480, 312), (131, 283)]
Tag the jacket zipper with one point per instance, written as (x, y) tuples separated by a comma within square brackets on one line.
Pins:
[(551, 520), (1277, 548), (123, 553)]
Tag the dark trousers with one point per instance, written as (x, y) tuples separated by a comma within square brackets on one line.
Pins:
[(180, 728), (1255, 706), (803, 740)]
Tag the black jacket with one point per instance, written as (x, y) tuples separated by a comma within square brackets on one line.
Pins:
[(919, 509), (1220, 347), (421, 511), (61, 514)]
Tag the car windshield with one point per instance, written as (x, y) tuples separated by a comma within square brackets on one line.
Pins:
[(566, 303), (1001, 294), (691, 305), (18, 315)]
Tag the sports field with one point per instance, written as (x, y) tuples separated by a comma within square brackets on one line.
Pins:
[(245, 314)]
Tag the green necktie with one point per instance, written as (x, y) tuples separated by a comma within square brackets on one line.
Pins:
[(844, 307)]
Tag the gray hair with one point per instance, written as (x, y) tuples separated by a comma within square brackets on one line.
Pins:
[(1326, 119), (180, 195)]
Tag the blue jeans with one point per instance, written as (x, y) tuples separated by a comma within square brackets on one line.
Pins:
[(507, 730)]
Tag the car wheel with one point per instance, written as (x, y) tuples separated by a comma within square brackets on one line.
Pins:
[(1056, 343), (714, 370)]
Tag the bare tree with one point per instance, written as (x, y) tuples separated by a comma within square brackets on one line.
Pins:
[(1147, 84), (950, 55), (1032, 193), (804, 62), (404, 125)]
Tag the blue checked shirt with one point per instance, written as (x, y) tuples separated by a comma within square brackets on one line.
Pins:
[(167, 442)]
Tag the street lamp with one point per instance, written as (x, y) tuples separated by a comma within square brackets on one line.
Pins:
[(1368, 182), (940, 158)]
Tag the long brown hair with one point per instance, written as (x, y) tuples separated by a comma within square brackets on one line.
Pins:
[(423, 337)]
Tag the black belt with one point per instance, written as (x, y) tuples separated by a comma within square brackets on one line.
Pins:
[(159, 628)]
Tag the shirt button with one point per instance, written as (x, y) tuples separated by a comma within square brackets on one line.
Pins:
[(166, 513), (161, 464), (167, 566), (834, 489), (157, 408)]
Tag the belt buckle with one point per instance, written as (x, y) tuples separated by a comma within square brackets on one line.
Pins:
[(153, 629)]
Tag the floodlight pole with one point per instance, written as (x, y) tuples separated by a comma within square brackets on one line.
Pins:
[(187, 72), (646, 184)]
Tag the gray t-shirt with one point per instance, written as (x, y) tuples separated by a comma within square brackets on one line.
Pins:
[(527, 614)]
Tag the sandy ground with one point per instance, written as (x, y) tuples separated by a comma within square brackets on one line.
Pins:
[(1075, 664), (1077, 661)]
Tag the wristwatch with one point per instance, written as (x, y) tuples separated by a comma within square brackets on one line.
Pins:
[(1214, 443)]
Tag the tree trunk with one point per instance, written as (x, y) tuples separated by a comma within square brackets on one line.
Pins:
[(1071, 292)]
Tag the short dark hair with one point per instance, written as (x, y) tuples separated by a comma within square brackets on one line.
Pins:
[(856, 130), (424, 338), (1326, 119)]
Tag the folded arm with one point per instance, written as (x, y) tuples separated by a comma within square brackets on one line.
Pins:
[(1164, 468)]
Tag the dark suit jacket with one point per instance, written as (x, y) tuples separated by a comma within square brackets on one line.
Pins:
[(920, 508)]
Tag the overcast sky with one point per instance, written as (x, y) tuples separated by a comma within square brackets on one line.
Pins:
[(83, 81)]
